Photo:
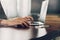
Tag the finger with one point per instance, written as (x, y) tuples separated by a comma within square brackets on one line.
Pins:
[(29, 17), (25, 19), (26, 24), (19, 23), (21, 26)]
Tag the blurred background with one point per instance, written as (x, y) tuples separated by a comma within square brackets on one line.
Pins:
[(54, 6)]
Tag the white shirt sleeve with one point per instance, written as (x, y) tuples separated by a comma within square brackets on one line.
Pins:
[(10, 8), (24, 8)]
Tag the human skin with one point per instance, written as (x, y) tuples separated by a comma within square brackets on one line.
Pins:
[(23, 22)]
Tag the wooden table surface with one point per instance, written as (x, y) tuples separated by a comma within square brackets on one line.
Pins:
[(53, 21)]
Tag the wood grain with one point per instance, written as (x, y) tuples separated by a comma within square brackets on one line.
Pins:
[(53, 21)]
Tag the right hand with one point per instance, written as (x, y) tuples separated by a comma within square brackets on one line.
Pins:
[(21, 22)]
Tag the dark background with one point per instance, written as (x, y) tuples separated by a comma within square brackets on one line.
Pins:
[(53, 8)]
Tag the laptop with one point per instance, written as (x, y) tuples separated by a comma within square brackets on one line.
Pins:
[(42, 15)]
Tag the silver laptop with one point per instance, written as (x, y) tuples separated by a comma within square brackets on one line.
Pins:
[(43, 14)]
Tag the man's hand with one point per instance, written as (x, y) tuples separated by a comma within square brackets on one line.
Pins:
[(19, 22)]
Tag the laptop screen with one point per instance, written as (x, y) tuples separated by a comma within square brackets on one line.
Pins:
[(39, 10), (43, 12)]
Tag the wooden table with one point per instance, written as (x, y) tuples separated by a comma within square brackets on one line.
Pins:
[(53, 21)]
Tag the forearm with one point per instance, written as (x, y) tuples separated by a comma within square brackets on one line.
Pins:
[(2, 24), (0, 21), (8, 22), (4, 21)]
